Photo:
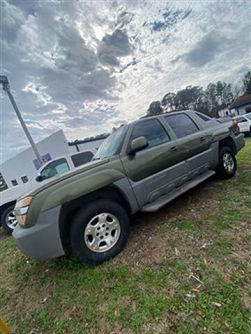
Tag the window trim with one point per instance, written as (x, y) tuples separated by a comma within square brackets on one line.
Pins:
[(172, 115), (148, 147)]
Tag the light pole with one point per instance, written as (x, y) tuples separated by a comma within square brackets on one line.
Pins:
[(6, 87)]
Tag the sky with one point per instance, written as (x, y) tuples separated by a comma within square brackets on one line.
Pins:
[(88, 66)]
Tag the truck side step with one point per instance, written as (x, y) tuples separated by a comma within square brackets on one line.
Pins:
[(163, 200)]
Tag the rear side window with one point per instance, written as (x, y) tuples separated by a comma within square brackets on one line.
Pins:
[(81, 158), (181, 124), (152, 130), (241, 119), (203, 117)]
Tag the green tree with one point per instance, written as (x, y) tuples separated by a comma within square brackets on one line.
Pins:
[(247, 83), (154, 108), (168, 101)]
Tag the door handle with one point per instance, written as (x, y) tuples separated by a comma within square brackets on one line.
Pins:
[(202, 139), (173, 148)]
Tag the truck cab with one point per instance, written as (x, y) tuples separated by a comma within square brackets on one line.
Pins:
[(63, 164)]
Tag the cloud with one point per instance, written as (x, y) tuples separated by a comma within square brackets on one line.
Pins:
[(85, 66), (169, 19), (114, 46), (205, 50)]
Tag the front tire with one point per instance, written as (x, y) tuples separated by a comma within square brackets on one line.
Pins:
[(99, 231), (227, 163), (8, 219)]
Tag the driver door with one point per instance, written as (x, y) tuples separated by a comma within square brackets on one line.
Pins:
[(156, 169)]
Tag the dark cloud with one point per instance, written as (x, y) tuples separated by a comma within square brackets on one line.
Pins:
[(114, 46), (205, 50)]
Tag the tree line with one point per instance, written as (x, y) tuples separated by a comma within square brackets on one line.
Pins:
[(214, 97)]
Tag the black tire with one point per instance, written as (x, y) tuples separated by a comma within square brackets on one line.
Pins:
[(5, 219), (81, 241), (226, 170)]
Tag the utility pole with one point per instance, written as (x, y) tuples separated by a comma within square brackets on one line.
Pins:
[(6, 87)]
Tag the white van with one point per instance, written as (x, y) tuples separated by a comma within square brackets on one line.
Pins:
[(244, 123), (52, 168)]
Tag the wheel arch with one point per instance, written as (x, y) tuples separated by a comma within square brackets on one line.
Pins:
[(5, 206), (70, 209), (228, 142)]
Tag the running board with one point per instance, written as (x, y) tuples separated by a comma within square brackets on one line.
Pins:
[(163, 200)]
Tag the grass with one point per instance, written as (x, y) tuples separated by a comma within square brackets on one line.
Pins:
[(186, 269)]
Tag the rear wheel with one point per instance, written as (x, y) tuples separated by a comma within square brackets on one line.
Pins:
[(8, 219), (227, 163), (99, 231)]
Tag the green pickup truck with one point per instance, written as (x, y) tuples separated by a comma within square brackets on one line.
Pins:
[(140, 167)]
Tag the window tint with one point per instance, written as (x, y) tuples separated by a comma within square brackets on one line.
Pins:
[(152, 130), (248, 116), (204, 117), (81, 158), (59, 166), (181, 124)]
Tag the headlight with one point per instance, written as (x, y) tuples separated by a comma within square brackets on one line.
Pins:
[(21, 210)]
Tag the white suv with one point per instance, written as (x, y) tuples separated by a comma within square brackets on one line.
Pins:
[(244, 123)]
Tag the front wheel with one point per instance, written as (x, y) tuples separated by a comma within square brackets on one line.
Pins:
[(8, 219), (227, 163), (99, 231)]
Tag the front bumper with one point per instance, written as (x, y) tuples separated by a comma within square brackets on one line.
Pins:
[(41, 241)]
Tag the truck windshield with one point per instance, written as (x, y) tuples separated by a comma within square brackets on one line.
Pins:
[(111, 145)]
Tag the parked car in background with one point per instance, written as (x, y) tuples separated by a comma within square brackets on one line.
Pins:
[(140, 167), (244, 123), (51, 169)]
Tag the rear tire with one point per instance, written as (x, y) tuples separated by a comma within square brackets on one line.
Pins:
[(227, 163), (99, 231), (8, 219)]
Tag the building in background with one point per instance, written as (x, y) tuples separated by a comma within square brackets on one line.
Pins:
[(224, 112), (241, 105), (24, 166)]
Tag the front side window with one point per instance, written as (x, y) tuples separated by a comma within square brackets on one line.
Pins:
[(59, 166), (152, 130), (181, 124), (248, 116)]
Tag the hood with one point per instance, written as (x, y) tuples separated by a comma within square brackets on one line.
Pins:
[(57, 179)]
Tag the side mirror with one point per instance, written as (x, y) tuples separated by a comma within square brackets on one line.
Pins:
[(39, 178), (138, 144)]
